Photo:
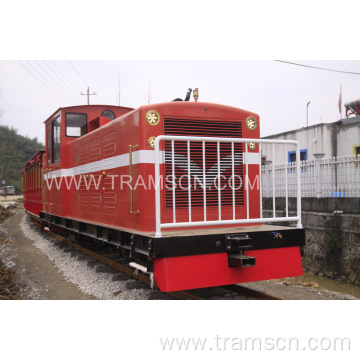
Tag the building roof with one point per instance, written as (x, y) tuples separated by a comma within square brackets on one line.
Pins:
[(346, 121)]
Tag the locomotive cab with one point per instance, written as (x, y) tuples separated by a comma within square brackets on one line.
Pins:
[(64, 127)]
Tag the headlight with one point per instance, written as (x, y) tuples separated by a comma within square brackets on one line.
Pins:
[(151, 142), (152, 117)]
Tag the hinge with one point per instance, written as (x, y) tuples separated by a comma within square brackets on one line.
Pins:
[(132, 247), (150, 248)]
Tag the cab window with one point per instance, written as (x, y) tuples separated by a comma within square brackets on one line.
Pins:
[(56, 149), (75, 124), (48, 145), (108, 114)]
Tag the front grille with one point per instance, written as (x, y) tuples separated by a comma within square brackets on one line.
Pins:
[(208, 128)]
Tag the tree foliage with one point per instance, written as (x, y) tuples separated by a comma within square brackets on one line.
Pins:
[(15, 151)]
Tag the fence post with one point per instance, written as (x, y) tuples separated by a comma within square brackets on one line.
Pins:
[(267, 177), (318, 174)]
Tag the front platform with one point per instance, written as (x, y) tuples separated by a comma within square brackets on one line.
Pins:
[(199, 271)]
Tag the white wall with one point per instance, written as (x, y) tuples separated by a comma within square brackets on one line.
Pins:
[(334, 139)]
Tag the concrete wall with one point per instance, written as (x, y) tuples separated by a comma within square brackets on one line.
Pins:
[(312, 204), (332, 246), (333, 139), (332, 236)]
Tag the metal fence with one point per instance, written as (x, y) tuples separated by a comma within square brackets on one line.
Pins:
[(322, 177), (186, 161)]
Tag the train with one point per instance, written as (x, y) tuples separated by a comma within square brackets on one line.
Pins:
[(174, 186)]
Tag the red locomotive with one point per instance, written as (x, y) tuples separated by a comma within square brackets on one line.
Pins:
[(175, 186)]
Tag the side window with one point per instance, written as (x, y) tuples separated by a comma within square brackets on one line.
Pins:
[(56, 136), (48, 146), (75, 125), (292, 155)]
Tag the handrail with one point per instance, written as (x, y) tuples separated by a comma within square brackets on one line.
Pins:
[(219, 140), (137, 212)]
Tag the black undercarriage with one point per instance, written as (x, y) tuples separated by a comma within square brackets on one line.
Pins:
[(142, 248)]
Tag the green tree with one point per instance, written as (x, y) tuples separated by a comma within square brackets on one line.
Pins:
[(15, 151)]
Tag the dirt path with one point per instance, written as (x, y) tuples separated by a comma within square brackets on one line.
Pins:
[(307, 291), (36, 276), (8, 288)]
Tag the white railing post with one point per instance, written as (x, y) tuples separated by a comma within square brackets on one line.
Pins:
[(298, 182), (157, 188), (286, 182), (318, 174), (268, 164)]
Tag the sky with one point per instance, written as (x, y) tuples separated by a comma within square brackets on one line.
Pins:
[(31, 90), (226, 50)]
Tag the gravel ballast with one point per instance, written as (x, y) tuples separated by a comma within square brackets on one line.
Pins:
[(98, 285)]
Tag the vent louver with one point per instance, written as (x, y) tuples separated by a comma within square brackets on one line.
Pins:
[(206, 128)]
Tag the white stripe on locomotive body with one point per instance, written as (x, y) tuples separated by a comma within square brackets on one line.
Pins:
[(138, 157)]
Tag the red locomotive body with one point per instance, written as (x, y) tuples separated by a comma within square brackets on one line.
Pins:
[(101, 178)]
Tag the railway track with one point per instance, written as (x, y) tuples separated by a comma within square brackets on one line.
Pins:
[(227, 291)]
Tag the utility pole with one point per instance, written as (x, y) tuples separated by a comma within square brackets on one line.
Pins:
[(88, 95)]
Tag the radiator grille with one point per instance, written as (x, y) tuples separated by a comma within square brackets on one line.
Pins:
[(208, 128)]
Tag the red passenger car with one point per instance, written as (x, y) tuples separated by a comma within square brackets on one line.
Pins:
[(175, 186)]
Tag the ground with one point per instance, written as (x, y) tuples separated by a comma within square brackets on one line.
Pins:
[(8, 288), (38, 277)]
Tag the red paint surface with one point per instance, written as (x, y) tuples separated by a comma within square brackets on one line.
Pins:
[(111, 207), (191, 272)]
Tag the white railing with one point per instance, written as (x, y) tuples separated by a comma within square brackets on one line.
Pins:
[(322, 177), (247, 159)]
